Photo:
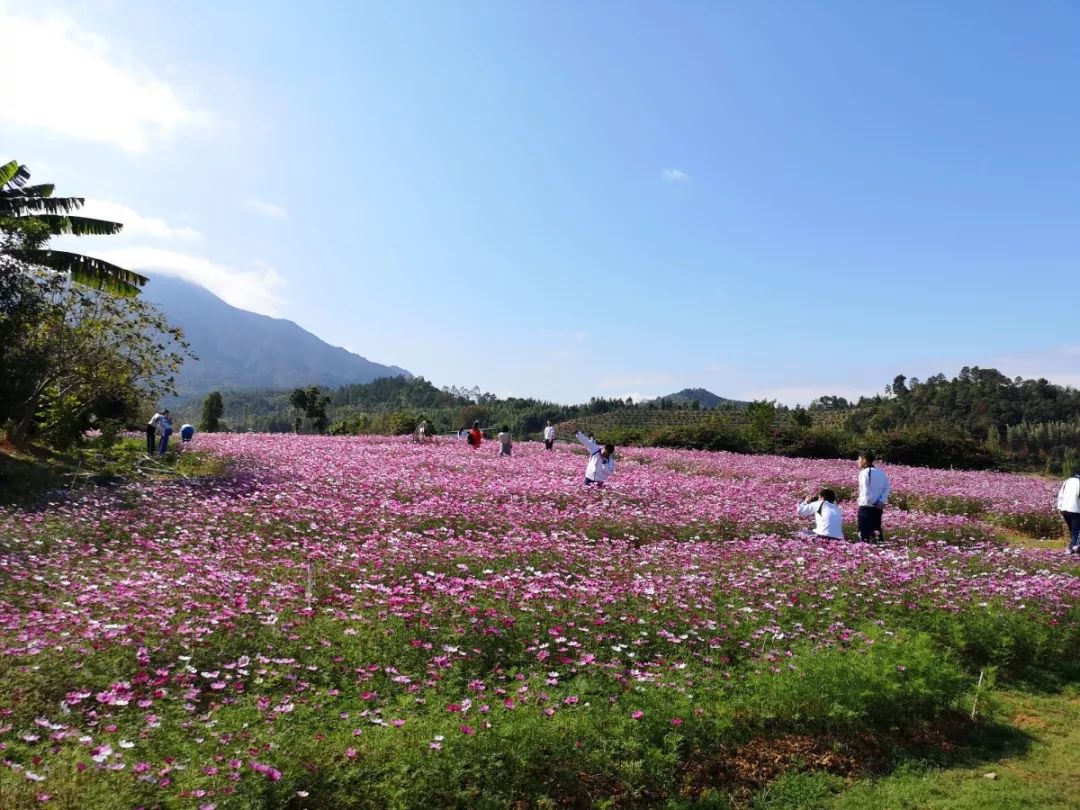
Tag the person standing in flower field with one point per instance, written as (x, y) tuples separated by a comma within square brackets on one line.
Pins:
[(873, 496), (475, 436), (152, 431), (549, 436), (505, 443), (601, 460), (828, 518), (165, 429), (1068, 503), (186, 432)]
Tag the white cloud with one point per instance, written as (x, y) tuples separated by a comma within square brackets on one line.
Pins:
[(264, 208), (255, 289), (674, 176), (69, 85), (134, 223)]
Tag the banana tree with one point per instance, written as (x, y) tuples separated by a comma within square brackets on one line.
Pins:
[(34, 208)]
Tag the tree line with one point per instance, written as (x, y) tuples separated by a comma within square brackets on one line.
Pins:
[(977, 419)]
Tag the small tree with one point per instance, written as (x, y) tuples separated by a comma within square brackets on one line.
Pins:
[(212, 411), (299, 401), (102, 351)]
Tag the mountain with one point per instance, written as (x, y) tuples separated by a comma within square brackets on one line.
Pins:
[(706, 399), (241, 349)]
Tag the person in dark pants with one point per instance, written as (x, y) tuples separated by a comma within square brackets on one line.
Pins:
[(1068, 503), (152, 431), (873, 496), (165, 426), (549, 435)]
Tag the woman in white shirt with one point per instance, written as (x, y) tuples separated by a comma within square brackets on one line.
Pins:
[(873, 497), (828, 519)]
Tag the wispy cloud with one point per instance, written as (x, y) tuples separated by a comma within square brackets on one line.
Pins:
[(265, 209), (256, 289), (71, 87), (674, 176), (134, 223)]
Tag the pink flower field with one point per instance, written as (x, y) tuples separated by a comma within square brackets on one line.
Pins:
[(365, 622)]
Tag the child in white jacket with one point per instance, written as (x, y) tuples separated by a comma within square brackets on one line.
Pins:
[(828, 519), (601, 460)]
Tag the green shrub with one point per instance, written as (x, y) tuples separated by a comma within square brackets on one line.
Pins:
[(895, 681)]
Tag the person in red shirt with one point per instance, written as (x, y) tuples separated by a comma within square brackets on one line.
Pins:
[(475, 435)]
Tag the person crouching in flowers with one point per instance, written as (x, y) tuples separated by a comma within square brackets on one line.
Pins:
[(828, 518), (601, 460)]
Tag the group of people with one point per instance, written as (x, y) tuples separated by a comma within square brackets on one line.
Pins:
[(873, 498), (158, 431), (601, 462)]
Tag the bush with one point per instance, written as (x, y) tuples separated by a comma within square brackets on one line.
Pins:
[(930, 446), (819, 442), (895, 681), (401, 423)]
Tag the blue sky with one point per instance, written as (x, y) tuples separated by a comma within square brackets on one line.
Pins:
[(773, 199)]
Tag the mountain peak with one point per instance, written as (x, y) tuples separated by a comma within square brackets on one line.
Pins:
[(240, 349), (704, 398)]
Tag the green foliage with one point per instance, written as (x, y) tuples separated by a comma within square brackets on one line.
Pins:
[(212, 410), (21, 204), (896, 681), (100, 356), (311, 404), (402, 423)]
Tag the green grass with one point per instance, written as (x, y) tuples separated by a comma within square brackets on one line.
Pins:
[(1032, 753), (26, 474)]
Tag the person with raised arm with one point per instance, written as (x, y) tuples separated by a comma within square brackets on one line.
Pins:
[(873, 497), (1068, 503), (601, 460), (828, 518)]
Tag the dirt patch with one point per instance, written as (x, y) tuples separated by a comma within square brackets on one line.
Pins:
[(747, 768), (1029, 721), (742, 771)]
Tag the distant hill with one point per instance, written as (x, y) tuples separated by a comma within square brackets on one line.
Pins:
[(706, 399), (238, 349)]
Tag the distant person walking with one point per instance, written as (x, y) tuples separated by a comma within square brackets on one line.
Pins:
[(165, 430), (475, 436), (1068, 502), (873, 497), (828, 518), (152, 431), (549, 436), (186, 432), (505, 443), (601, 460)]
